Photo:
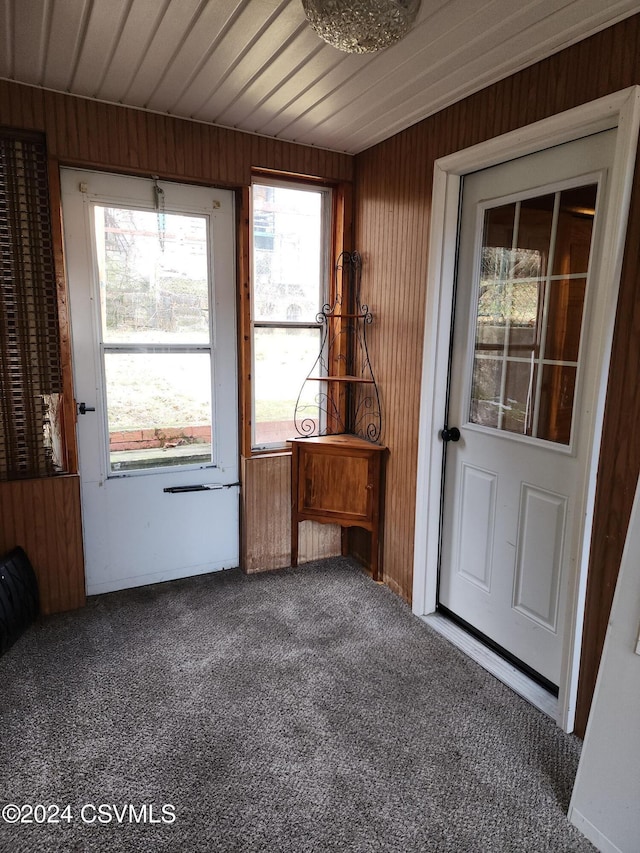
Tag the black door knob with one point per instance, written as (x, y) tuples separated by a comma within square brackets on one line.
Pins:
[(450, 434)]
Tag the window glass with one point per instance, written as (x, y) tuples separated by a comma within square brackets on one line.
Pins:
[(159, 409), (156, 337), (153, 276), (529, 317), (287, 253), (289, 271)]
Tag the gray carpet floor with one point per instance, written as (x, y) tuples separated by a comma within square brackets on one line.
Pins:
[(302, 710)]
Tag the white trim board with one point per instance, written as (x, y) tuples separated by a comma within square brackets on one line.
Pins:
[(494, 663), (592, 833), (621, 110)]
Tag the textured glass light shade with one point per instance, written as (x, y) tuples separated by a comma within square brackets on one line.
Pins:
[(361, 26)]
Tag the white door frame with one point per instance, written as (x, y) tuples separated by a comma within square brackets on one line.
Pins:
[(621, 110)]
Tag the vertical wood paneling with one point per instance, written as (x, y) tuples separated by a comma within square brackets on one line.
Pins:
[(87, 133), (43, 516), (266, 514), (317, 541), (393, 192), (104, 136)]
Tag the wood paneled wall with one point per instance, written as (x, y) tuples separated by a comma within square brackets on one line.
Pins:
[(266, 518), (393, 197), (43, 516), (86, 133)]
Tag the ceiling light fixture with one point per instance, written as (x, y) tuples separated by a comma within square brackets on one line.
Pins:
[(361, 26)]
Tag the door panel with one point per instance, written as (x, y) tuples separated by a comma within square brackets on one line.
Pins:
[(477, 519), (152, 293), (541, 529), (522, 393)]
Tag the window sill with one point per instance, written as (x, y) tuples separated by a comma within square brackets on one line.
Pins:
[(269, 452)]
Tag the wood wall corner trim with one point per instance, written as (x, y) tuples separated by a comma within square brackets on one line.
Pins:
[(245, 353), (64, 320)]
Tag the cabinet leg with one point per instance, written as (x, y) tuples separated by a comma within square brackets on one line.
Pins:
[(294, 542), (344, 541), (376, 567)]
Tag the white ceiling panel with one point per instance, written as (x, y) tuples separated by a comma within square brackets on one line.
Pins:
[(476, 61), (64, 35), (328, 88), (142, 22), (270, 107), (154, 59), (23, 29), (207, 30), (267, 84), (105, 23), (251, 62), (220, 62), (257, 66)]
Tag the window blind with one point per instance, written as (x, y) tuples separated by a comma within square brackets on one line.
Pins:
[(30, 368)]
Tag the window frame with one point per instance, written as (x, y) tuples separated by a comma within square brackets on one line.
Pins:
[(328, 242), (153, 347)]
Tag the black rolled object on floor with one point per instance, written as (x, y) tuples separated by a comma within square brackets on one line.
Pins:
[(19, 597)]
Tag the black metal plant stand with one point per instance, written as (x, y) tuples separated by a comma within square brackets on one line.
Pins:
[(347, 398)]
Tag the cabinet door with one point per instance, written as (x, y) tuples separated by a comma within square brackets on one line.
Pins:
[(332, 483)]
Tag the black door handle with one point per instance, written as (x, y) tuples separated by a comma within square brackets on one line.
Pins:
[(450, 434), (83, 408)]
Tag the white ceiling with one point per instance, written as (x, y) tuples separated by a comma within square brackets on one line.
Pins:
[(256, 65)]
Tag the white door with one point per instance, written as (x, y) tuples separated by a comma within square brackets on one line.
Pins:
[(522, 393), (152, 296)]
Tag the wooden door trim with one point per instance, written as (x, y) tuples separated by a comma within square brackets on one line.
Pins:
[(621, 110)]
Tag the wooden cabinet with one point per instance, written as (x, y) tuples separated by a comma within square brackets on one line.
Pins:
[(338, 479)]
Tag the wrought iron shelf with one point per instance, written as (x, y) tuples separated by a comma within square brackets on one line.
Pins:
[(350, 402), (340, 316), (340, 379)]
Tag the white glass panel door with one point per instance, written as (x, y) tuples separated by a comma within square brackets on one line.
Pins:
[(152, 285), (522, 395)]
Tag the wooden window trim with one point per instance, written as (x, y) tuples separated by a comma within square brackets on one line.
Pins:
[(69, 415), (341, 237)]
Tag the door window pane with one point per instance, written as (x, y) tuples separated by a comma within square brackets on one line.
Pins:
[(564, 323), (159, 409), (153, 271), (575, 224), (485, 391), (517, 396), (556, 403), (508, 317), (498, 242), (534, 237), (529, 322)]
